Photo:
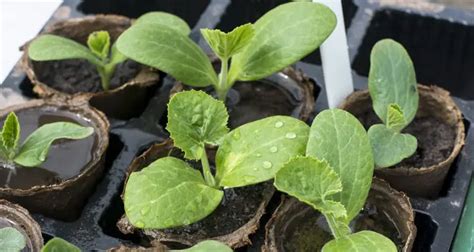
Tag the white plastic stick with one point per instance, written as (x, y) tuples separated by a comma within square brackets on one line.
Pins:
[(335, 58)]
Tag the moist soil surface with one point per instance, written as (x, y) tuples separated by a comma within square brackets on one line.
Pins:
[(73, 76), (65, 159), (307, 229), (435, 140)]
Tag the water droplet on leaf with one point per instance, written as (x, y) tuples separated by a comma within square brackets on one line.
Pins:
[(258, 154), (273, 149), (278, 124), (267, 164), (236, 135), (290, 135), (145, 210)]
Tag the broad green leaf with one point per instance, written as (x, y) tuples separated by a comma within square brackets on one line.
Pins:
[(389, 146), (99, 44), (10, 135), (207, 246), (168, 193), (392, 80), (362, 241), (225, 45), (168, 50), (165, 19), (52, 47), (59, 245), (311, 181), (36, 146), (395, 118), (11, 239), (196, 119), (116, 57), (254, 152), (339, 138), (283, 36)]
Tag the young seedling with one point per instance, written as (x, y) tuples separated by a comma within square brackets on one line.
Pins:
[(278, 39), (334, 178), (35, 148), (99, 52), (176, 194), (394, 93), (11, 239)]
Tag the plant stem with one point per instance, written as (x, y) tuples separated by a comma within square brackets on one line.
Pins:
[(335, 229), (222, 88), (207, 171), (105, 72)]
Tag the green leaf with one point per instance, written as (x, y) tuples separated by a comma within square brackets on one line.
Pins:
[(52, 47), (99, 44), (59, 245), (389, 146), (170, 51), (10, 135), (168, 193), (165, 19), (196, 119), (283, 36), (339, 138), (207, 246), (225, 45), (116, 57), (11, 239), (254, 152), (362, 241), (311, 181), (392, 80), (34, 150), (395, 118)]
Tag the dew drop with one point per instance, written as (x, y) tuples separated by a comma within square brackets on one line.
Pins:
[(236, 135), (267, 164), (278, 124), (145, 210), (273, 149), (258, 154), (249, 179), (255, 169), (290, 135), (140, 224)]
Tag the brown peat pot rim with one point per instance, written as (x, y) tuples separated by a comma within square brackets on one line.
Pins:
[(451, 114), (403, 208), (22, 218), (306, 106), (236, 239), (145, 77), (101, 131)]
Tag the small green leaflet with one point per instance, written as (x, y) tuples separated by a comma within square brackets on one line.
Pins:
[(207, 246), (254, 152), (99, 44), (52, 47), (225, 45), (196, 119), (11, 239), (36, 146), (395, 118), (311, 181), (392, 80), (165, 19), (10, 135), (362, 241), (339, 138), (389, 146), (168, 193), (59, 245)]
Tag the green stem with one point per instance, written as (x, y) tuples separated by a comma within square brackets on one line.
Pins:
[(222, 88), (336, 231), (106, 72), (207, 171)]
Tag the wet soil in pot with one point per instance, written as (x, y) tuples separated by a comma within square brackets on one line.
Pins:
[(75, 153), (74, 76)]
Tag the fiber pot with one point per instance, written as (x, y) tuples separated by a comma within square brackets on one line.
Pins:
[(129, 87), (296, 226), (236, 218), (15, 216), (439, 129), (289, 92), (60, 186)]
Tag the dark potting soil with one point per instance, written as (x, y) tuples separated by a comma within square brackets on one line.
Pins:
[(65, 159), (73, 76), (5, 222), (307, 229), (435, 139)]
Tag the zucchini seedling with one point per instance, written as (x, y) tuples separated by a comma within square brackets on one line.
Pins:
[(11, 239), (394, 93), (334, 178), (35, 148), (177, 194), (278, 39)]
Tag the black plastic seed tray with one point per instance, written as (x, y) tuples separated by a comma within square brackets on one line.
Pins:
[(439, 39)]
